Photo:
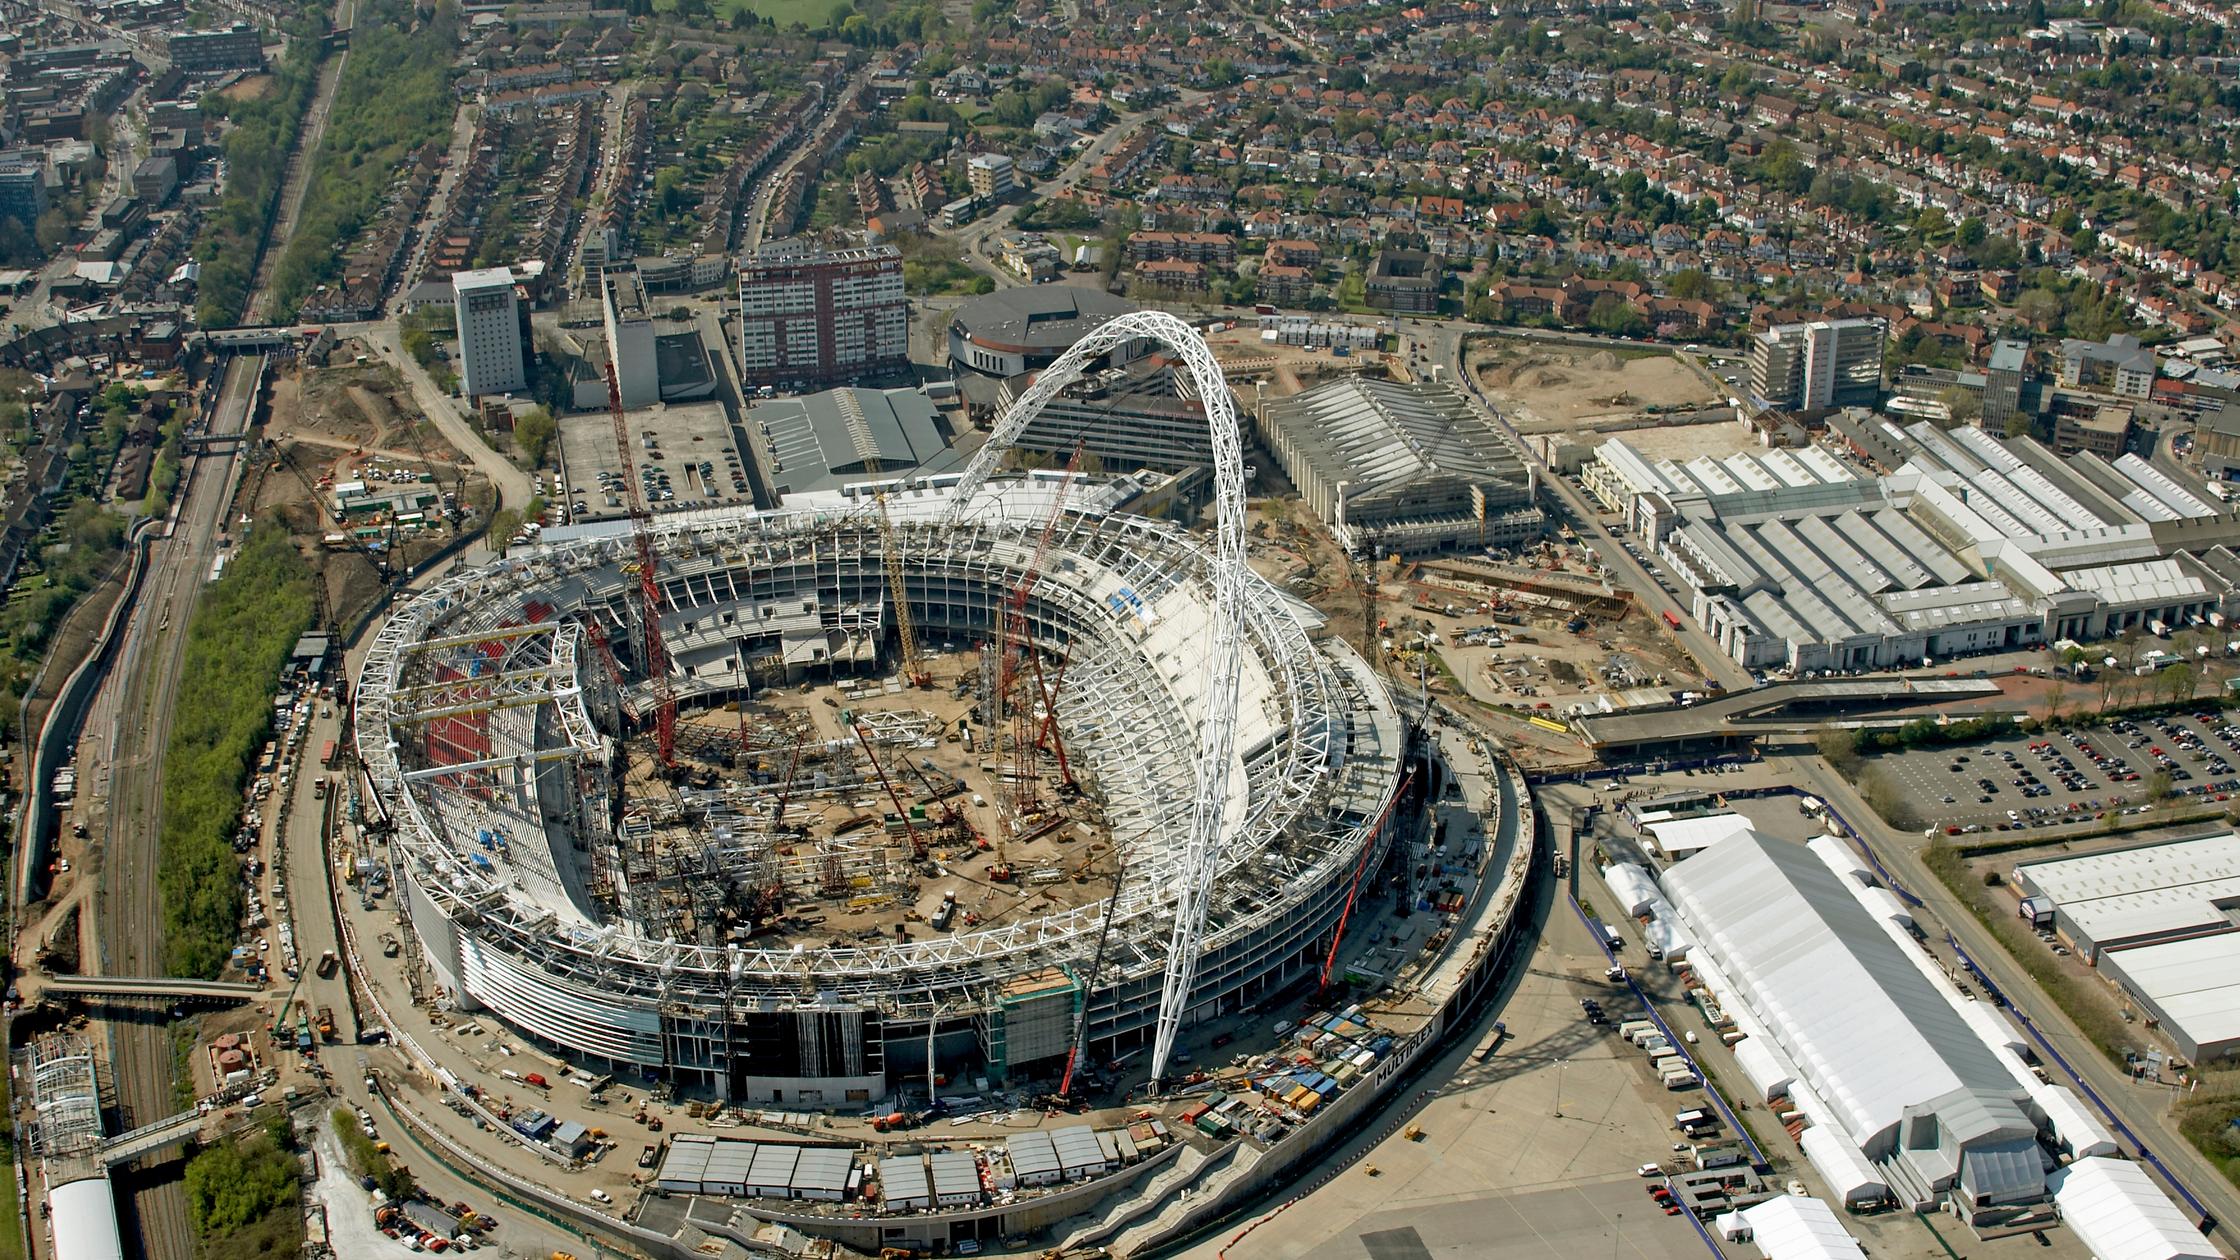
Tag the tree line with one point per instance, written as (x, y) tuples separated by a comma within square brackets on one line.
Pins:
[(236, 645), (394, 96)]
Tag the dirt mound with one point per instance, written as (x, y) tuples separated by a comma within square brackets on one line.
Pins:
[(1603, 361), (1541, 378)]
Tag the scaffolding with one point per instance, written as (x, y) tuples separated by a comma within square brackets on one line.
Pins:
[(697, 871)]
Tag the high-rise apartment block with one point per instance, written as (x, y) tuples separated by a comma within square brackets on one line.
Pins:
[(816, 317), (491, 358), (1812, 367)]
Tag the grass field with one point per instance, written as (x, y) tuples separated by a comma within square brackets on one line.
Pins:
[(783, 12)]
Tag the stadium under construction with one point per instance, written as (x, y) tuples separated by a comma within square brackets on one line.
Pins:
[(990, 772)]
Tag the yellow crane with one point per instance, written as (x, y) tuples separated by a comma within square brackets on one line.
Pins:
[(913, 666)]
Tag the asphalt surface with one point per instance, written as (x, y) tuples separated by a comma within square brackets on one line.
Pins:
[(2081, 775), (138, 697)]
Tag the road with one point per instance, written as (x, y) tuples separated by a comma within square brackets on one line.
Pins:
[(515, 487), (138, 697), (297, 181), (758, 218), (2144, 1107)]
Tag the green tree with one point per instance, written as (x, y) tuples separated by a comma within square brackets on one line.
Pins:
[(1614, 316), (533, 430), (1964, 405)]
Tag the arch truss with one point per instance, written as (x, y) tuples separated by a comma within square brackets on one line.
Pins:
[(1217, 734)]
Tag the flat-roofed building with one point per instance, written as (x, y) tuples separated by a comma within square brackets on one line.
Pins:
[(628, 322), (1815, 366), (818, 317), (491, 358)]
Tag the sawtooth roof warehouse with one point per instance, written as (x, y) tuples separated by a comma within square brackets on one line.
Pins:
[(1973, 544)]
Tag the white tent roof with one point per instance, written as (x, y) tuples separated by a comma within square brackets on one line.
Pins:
[(2072, 1123), (1864, 1027), (83, 1215), (1763, 1065), (1841, 1165), (2121, 1215), (1665, 935), (1632, 886), (1686, 835), (1794, 1228)]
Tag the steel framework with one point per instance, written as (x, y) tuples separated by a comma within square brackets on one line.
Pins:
[(1217, 729), (1241, 857)]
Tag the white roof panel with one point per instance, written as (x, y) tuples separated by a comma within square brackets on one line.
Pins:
[(1791, 1228), (2122, 1215)]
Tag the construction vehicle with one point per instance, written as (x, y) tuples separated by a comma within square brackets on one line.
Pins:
[(326, 1023)]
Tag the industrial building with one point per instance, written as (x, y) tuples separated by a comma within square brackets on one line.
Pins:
[(817, 442), (604, 925), (1974, 543), (819, 317), (492, 348), (2156, 920), (1014, 331), (1403, 469), (1914, 1090), (1812, 367)]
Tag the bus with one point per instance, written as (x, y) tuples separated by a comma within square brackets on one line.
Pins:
[(1671, 620), (1546, 725)]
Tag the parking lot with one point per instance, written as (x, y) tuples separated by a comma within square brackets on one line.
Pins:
[(681, 454), (2067, 777)]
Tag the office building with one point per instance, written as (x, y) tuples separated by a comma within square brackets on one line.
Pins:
[(23, 186), (1402, 469), (2003, 377), (1813, 367), (816, 317), (237, 47), (992, 175), (1129, 418), (629, 328), (492, 350), (2119, 365)]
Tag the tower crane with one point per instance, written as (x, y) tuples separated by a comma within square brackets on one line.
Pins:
[(656, 657), (1018, 644)]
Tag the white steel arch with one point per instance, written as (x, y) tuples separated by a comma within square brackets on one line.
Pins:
[(1217, 733)]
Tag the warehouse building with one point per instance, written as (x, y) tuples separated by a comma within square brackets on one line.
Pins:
[(1401, 469), (2157, 921), (1974, 544), (1909, 1092), (822, 441)]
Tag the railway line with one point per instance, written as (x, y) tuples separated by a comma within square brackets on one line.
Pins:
[(129, 723)]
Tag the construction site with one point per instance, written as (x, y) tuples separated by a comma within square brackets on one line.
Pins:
[(984, 777)]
